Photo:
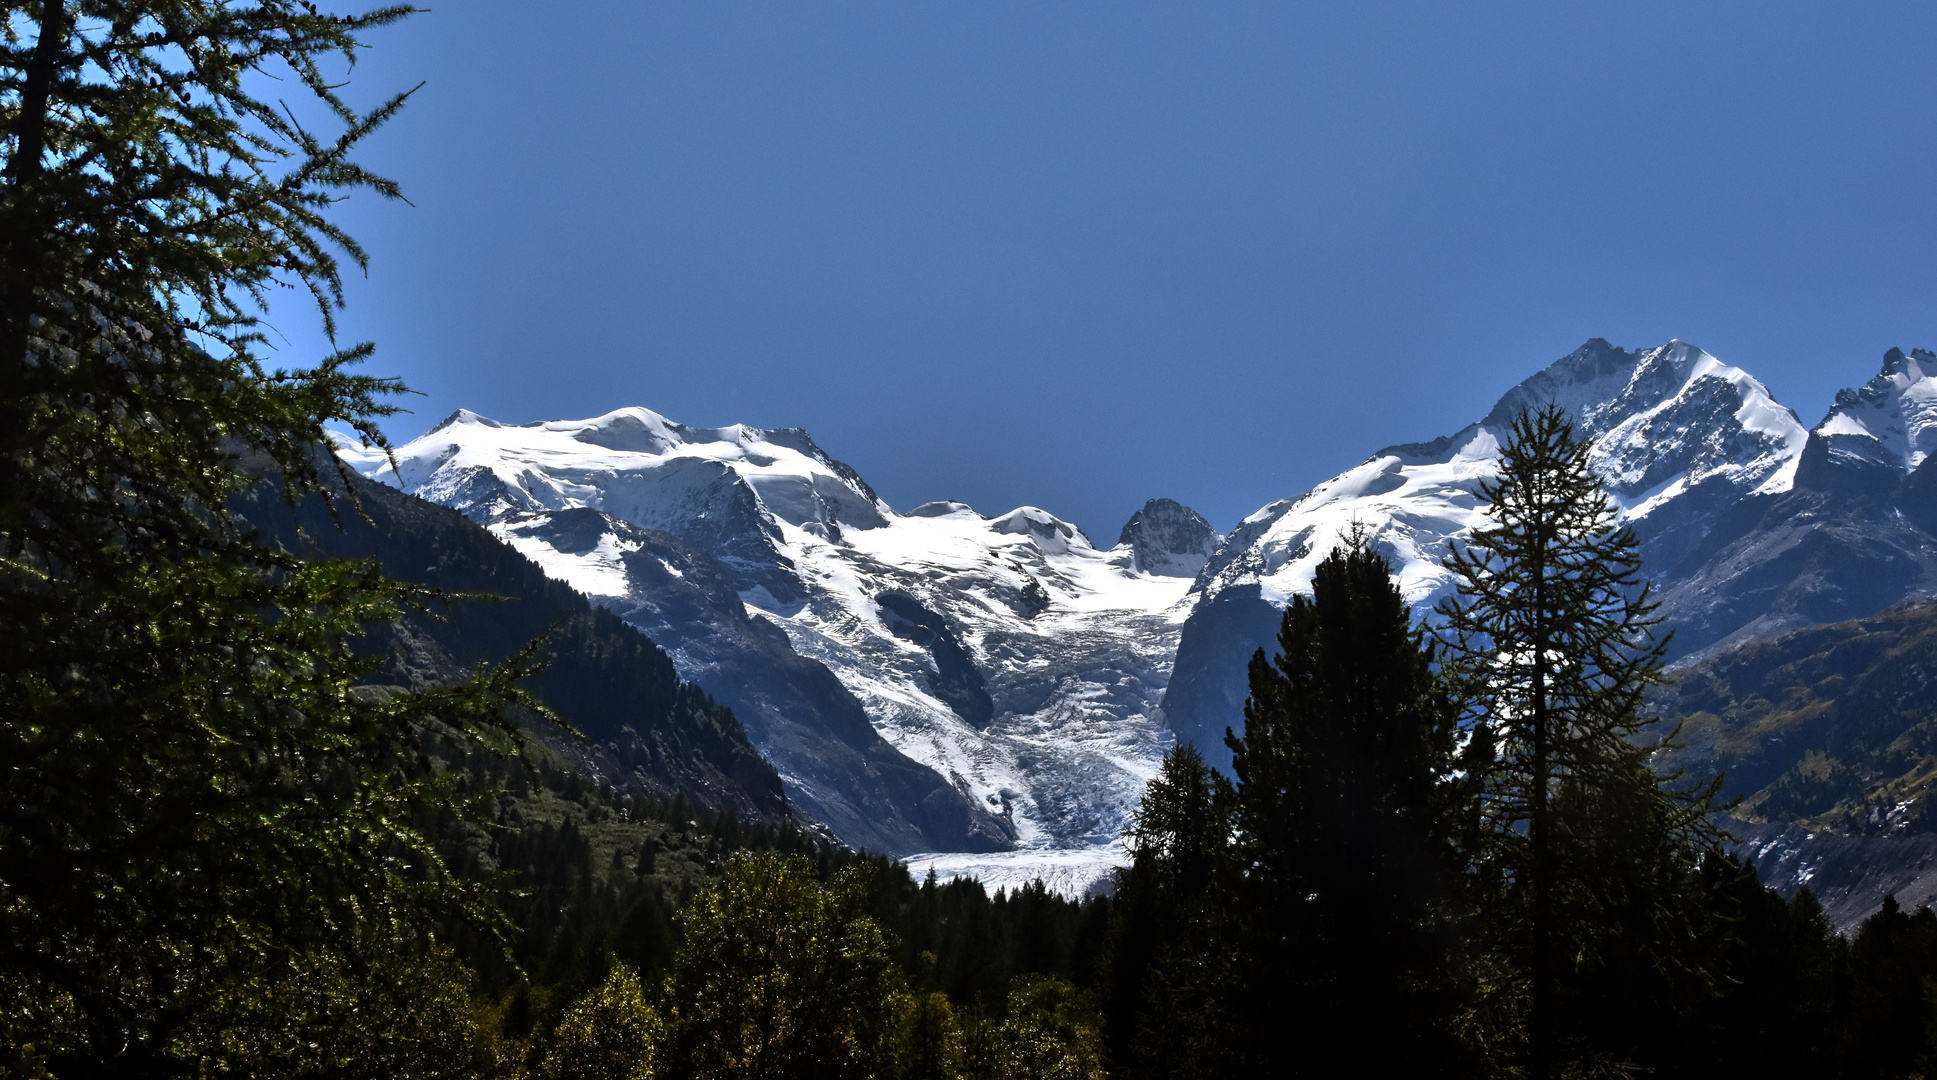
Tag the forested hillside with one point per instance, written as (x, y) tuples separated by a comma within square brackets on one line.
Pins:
[(640, 728), (1825, 736)]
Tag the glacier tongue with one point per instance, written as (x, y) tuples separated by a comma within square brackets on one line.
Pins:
[(1073, 647), (1011, 655)]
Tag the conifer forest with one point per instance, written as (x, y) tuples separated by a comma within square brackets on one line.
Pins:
[(236, 841)]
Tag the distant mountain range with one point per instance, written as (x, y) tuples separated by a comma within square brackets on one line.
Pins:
[(934, 681), (992, 692)]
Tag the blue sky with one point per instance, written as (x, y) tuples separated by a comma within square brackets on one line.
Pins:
[(1080, 255)]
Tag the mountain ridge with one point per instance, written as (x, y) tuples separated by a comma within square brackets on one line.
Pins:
[(1038, 677), (1677, 435)]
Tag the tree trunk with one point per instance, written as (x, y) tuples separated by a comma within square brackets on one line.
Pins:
[(25, 224), (1541, 1019)]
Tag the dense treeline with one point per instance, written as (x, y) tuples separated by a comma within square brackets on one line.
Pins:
[(1450, 855), (1159, 980), (594, 883)]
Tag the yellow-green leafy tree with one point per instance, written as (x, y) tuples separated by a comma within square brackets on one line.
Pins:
[(612, 1033), (929, 1038), (782, 978), (1052, 1032), (401, 1014)]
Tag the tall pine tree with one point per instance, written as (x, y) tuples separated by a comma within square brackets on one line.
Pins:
[(1551, 645), (1172, 977), (1347, 821), (194, 794)]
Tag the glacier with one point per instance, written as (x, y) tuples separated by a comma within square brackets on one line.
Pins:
[(1011, 655)]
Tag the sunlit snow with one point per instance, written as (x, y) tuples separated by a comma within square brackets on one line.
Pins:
[(1669, 421), (1892, 419)]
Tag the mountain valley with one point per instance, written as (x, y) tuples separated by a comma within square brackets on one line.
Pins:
[(987, 695)]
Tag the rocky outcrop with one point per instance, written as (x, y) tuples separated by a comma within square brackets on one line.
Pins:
[(1851, 875), (1169, 538)]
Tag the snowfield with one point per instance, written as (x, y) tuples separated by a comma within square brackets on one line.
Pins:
[(1021, 662)]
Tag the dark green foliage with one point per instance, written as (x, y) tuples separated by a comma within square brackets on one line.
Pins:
[(1551, 649), (1261, 922), (199, 797), (960, 940), (591, 879), (1347, 826), (1784, 984), (1172, 983), (1643, 934), (1893, 963)]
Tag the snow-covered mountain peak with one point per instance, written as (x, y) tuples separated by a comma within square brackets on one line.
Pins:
[(1053, 535), (1677, 436), (1663, 423), (1892, 419), (942, 508), (464, 416), (729, 490)]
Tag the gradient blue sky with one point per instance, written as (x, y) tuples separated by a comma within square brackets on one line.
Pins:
[(1079, 255)]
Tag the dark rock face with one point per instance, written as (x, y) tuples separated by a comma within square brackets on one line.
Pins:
[(1209, 683), (717, 512), (836, 766), (1031, 600), (955, 679), (1593, 362), (1169, 538), (1848, 471), (1815, 554)]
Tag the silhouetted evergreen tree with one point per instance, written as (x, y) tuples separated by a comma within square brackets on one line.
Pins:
[(1172, 974), (1347, 819), (1892, 1011), (198, 799), (1784, 985)]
